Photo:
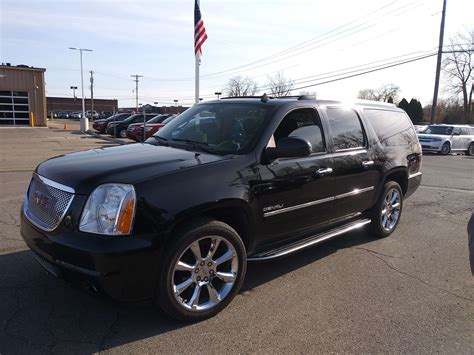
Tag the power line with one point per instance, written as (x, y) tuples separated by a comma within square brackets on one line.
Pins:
[(366, 72)]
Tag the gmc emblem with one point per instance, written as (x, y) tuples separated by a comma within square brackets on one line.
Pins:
[(41, 199)]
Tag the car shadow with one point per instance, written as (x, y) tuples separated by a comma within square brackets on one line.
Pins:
[(40, 313)]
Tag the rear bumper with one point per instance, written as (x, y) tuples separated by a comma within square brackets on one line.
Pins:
[(123, 269), (414, 181)]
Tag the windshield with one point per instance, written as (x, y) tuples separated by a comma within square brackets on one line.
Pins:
[(168, 120), (158, 119), (220, 128), (440, 130)]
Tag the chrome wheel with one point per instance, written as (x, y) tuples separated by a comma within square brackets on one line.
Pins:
[(391, 210), (205, 273)]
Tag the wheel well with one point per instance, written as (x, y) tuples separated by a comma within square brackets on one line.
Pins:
[(399, 177), (235, 217)]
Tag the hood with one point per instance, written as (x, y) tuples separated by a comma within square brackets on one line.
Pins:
[(423, 135), (83, 171), (135, 125)]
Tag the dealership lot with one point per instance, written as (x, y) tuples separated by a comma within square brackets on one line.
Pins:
[(411, 292)]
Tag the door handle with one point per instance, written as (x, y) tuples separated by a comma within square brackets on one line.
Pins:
[(323, 171), (367, 163)]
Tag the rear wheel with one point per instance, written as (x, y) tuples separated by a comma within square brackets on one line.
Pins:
[(123, 133), (445, 149), (388, 210), (202, 271), (470, 150)]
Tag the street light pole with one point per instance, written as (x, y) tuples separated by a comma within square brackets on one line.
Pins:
[(74, 88), (84, 120)]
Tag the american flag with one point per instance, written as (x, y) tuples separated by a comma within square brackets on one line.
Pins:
[(200, 35)]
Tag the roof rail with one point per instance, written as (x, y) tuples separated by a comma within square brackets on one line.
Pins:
[(265, 97)]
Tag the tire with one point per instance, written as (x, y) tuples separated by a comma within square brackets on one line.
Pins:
[(181, 272), (123, 133), (445, 149), (470, 150), (385, 221)]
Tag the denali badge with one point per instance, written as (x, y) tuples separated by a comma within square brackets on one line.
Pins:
[(41, 200), (272, 208)]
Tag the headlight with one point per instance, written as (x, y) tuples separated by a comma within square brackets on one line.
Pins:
[(110, 210)]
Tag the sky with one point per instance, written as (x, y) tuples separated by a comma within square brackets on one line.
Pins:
[(309, 41)]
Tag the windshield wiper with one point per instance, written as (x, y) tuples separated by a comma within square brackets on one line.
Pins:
[(195, 144), (162, 140)]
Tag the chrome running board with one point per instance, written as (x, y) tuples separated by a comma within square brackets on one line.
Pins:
[(308, 242)]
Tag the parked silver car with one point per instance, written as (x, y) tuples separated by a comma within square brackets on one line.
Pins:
[(444, 138)]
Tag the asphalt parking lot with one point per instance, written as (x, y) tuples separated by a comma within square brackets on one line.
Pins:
[(410, 293)]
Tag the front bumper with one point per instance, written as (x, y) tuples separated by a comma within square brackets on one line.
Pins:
[(431, 146), (122, 268)]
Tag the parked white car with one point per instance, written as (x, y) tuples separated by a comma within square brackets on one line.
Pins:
[(443, 139)]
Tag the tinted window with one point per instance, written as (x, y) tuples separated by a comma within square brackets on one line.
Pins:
[(346, 129), (305, 124), (392, 128)]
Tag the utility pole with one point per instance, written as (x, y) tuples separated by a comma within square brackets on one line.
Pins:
[(92, 94), (136, 90), (438, 65)]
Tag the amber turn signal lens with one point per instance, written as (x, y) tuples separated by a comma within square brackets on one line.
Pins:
[(125, 218)]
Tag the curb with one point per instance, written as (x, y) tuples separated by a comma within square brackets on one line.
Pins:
[(109, 139)]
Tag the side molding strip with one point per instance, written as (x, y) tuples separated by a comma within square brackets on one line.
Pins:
[(317, 202)]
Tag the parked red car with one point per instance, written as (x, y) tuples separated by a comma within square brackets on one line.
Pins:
[(101, 125), (134, 132), (151, 129)]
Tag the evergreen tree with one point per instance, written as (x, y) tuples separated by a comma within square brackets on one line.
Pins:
[(404, 106), (415, 111)]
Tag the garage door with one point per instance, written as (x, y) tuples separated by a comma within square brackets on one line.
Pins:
[(14, 109)]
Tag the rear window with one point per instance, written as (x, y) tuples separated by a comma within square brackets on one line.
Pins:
[(392, 128)]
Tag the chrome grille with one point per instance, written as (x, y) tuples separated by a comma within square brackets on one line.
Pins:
[(47, 202)]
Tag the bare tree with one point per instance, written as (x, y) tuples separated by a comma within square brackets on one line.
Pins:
[(458, 67), (241, 86), (385, 93), (279, 85)]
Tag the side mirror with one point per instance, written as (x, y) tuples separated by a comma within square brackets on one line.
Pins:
[(289, 147), (456, 134)]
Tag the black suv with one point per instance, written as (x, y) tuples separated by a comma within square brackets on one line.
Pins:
[(176, 219)]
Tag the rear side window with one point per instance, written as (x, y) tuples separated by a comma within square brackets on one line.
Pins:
[(392, 128), (346, 129)]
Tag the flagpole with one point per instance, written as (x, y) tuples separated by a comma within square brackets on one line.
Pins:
[(196, 88)]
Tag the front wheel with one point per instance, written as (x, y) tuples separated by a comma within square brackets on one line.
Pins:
[(202, 271), (387, 211), (470, 150), (123, 133), (445, 149)]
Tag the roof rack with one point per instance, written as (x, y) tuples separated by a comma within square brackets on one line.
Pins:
[(265, 97)]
